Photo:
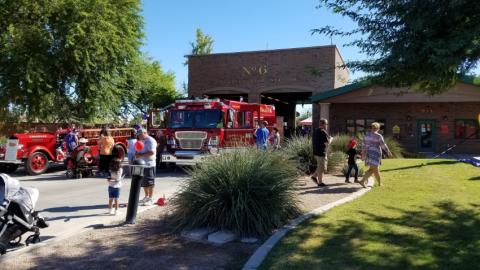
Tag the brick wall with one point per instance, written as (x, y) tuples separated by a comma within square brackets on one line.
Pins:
[(259, 71), (397, 114)]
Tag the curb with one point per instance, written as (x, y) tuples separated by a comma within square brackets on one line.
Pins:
[(68, 234), (261, 253)]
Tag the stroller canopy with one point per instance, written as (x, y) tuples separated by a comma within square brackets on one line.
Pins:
[(10, 189)]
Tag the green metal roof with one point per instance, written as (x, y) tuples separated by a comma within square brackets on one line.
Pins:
[(368, 82)]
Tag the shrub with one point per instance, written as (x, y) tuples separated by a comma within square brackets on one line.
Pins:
[(300, 151), (3, 140), (394, 147), (340, 142), (248, 192), (335, 163)]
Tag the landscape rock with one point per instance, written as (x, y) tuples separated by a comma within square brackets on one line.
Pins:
[(221, 237), (197, 234)]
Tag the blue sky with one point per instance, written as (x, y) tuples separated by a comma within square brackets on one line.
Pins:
[(235, 26)]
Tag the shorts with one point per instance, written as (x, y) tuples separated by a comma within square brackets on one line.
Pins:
[(113, 192), (148, 177)]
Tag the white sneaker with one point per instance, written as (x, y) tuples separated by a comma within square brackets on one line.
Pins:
[(111, 211), (116, 212), (144, 199), (148, 202)]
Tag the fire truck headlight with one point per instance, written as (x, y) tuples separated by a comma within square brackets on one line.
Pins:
[(214, 140), (213, 150)]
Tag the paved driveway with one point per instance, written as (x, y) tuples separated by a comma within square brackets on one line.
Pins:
[(74, 204)]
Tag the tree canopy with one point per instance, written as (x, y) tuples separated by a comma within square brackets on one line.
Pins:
[(425, 44), (64, 60), (203, 44)]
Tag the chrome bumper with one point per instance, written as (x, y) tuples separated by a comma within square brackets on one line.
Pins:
[(189, 158), (11, 161)]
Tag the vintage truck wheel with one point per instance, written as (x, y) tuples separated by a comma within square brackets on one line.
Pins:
[(8, 168), (37, 163)]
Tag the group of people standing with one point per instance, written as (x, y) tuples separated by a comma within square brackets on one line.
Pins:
[(263, 138), (371, 154)]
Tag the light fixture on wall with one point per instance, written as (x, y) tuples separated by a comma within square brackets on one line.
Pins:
[(445, 118)]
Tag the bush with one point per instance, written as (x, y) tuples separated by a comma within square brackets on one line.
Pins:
[(248, 192), (336, 160), (300, 151), (394, 147), (3, 140), (340, 142)]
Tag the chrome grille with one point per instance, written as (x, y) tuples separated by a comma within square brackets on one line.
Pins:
[(191, 139)]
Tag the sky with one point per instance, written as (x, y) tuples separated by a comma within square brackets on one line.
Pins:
[(237, 26)]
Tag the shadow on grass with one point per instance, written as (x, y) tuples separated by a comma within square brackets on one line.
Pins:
[(443, 162), (475, 178), (445, 236)]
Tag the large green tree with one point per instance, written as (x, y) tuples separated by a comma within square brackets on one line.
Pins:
[(427, 44), (146, 85), (61, 59)]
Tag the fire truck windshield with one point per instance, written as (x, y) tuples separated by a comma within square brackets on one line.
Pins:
[(196, 119)]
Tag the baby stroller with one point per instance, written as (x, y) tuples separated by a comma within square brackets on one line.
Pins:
[(81, 161), (17, 215)]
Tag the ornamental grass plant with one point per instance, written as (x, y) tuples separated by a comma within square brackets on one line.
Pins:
[(249, 192), (299, 150)]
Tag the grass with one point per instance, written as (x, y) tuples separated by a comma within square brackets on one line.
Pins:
[(426, 216)]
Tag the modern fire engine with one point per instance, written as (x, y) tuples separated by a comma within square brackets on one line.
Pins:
[(189, 130), (37, 149)]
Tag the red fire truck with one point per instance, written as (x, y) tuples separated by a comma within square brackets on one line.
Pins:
[(189, 130), (37, 149)]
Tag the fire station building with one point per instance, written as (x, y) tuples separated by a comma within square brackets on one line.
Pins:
[(288, 77), (420, 122)]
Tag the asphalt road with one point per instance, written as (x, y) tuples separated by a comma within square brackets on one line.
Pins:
[(75, 204)]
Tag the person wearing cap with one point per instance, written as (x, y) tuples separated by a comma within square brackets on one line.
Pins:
[(261, 136), (352, 163), (148, 154)]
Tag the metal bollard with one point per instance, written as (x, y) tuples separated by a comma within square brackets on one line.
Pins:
[(133, 197)]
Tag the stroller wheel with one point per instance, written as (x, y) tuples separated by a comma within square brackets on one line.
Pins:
[(16, 241), (70, 174), (32, 239)]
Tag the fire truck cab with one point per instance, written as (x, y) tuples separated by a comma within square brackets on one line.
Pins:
[(189, 130)]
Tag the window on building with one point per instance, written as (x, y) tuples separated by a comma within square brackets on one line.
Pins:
[(466, 129), (360, 126)]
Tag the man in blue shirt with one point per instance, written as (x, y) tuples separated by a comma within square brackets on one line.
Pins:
[(261, 136)]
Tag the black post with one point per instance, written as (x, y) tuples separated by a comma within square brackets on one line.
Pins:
[(133, 197)]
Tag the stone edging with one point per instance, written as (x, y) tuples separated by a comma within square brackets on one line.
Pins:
[(261, 253)]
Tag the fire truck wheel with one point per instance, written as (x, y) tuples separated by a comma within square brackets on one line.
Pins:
[(37, 163), (8, 168)]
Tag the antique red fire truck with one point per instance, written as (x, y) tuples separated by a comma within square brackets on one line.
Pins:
[(189, 130), (37, 149)]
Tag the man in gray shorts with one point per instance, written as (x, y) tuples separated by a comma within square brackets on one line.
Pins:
[(148, 154)]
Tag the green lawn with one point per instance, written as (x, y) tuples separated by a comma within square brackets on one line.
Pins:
[(425, 216)]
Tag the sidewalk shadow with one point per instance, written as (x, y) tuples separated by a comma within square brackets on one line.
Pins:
[(73, 208)]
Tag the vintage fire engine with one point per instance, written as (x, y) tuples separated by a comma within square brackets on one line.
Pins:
[(37, 149), (189, 130)]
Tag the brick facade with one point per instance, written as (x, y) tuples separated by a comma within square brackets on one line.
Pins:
[(251, 74)]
